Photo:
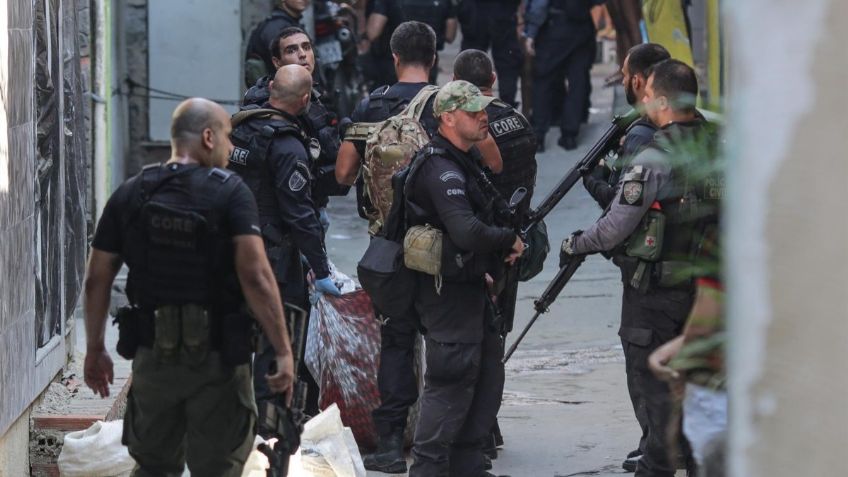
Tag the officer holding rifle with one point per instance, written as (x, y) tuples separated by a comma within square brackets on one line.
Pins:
[(651, 229)]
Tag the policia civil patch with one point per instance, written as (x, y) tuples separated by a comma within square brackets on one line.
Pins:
[(634, 186)]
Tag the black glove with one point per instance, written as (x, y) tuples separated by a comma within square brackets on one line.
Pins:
[(566, 251)]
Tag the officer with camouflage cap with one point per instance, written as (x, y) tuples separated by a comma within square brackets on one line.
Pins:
[(447, 190)]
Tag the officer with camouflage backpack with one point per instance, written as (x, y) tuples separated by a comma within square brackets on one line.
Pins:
[(413, 48)]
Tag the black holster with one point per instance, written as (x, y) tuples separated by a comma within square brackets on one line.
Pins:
[(135, 328)]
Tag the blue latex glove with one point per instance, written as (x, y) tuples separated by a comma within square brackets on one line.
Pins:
[(328, 286)]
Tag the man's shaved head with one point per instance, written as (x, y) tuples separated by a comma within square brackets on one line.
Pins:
[(200, 130), (194, 115), (290, 85)]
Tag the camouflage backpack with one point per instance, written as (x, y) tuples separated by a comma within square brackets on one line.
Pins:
[(390, 145)]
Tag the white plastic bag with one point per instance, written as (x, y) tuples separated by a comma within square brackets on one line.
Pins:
[(328, 449), (96, 452), (320, 308)]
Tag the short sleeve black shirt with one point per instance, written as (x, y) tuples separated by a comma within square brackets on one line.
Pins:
[(239, 218)]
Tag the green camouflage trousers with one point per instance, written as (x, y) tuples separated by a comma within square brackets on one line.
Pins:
[(176, 414)]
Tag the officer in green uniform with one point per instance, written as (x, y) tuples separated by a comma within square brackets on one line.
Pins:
[(651, 230), (189, 233)]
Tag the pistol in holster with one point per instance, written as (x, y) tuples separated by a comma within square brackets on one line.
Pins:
[(135, 328)]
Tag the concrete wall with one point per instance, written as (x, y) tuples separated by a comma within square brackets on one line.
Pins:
[(787, 228), (132, 46), (14, 448)]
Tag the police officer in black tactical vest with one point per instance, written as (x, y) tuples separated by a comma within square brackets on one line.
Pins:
[(517, 144), (188, 231), (651, 229), (272, 155), (294, 47), (258, 59), (447, 191), (602, 182)]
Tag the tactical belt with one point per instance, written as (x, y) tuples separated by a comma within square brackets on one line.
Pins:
[(137, 325), (668, 274)]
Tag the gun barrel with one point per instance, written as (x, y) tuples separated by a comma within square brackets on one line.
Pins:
[(610, 140), (520, 337), (548, 297)]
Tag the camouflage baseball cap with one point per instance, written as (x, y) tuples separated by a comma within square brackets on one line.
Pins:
[(460, 95)]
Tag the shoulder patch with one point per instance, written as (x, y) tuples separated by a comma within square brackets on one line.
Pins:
[(631, 193), (451, 175), (297, 181)]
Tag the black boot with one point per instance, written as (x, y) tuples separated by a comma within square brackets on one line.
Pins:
[(389, 457)]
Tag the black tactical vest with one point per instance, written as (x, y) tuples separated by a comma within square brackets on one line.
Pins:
[(517, 144), (697, 187), (323, 126), (252, 138), (178, 253), (482, 197)]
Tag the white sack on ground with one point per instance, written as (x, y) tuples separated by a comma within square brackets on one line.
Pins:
[(96, 452), (328, 449)]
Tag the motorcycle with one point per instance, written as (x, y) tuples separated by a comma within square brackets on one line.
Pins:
[(336, 35)]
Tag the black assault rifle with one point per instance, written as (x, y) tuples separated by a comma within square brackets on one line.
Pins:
[(276, 420), (610, 141)]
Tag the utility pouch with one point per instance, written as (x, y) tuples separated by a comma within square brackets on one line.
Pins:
[(128, 336), (533, 259), (237, 339), (646, 243), (195, 335), (422, 249), (642, 276), (168, 328)]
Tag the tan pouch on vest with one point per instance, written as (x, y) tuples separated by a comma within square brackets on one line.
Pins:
[(422, 249)]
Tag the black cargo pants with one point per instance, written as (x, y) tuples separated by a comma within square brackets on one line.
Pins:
[(564, 50), (462, 396), (494, 24), (396, 377), (647, 322)]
